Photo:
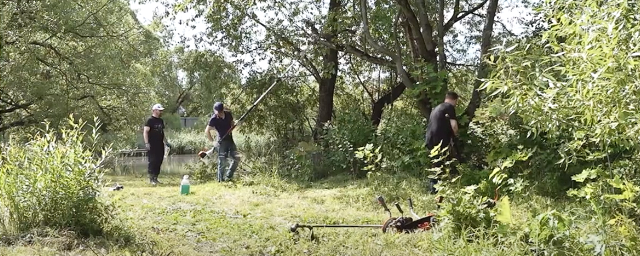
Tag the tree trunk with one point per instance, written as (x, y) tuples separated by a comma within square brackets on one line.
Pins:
[(482, 71), (329, 74)]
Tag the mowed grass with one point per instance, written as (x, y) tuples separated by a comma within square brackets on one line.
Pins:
[(252, 217)]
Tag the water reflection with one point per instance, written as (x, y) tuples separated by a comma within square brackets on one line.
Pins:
[(137, 165)]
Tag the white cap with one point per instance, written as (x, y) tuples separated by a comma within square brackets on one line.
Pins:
[(157, 106)]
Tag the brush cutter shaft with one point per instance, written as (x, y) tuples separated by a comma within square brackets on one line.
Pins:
[(257, 101), (310, 226), (337, 226)]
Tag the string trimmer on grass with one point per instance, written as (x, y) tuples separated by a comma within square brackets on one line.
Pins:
[(402, 224)]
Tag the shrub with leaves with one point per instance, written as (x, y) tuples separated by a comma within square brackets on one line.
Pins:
[(53, 181), (577, 85)]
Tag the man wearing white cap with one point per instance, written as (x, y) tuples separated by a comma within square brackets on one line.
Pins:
[(155, 142)]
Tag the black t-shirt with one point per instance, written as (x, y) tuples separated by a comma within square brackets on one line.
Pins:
[(156, 133), (439, 128), (222, 125)]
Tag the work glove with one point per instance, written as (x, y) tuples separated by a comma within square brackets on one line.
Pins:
[(238, 123), (216, 144)]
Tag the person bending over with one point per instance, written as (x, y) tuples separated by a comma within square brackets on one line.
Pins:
[(222, 121), (441, 130)]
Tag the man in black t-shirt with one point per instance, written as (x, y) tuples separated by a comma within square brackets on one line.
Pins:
[(222, 121), (155, 142), (441, 130)]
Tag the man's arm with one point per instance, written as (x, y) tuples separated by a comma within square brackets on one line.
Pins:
[(166, 142), (453, 120), (145, 135), (207, 131)]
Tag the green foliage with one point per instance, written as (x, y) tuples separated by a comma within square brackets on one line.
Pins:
[(583, 66), (401, 140), (73, 57), (187, 141), (54, 181), (611, 191), (349, 131), (283, 113)]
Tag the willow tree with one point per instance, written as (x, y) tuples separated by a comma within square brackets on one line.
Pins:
[(59, 58), (579, 84)]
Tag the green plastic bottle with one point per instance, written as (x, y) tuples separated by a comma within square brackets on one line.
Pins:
[(184, 185)]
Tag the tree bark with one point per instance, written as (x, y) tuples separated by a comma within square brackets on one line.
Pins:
[(327, 83), (482, 72)]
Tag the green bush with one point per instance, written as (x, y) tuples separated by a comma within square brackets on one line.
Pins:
[(53, 181), (187, 141), (401, 140)]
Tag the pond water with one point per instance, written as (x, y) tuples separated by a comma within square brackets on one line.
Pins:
[(172, 165)]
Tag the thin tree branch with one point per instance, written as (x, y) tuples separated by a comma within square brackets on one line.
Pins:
[(364, 87), (458, 17), (498, 22), (305, 60), (19, 123), (358, 53), (461, 65)]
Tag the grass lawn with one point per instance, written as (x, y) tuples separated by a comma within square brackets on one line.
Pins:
[(252, 217)]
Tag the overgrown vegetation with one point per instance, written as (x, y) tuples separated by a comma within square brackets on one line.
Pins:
[(548, 119), (54, 181)]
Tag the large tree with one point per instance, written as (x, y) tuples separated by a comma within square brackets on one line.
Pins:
[(265, 28), (72, 57), (410, 37)]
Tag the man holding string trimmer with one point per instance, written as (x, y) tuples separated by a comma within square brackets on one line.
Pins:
[(222, 121)]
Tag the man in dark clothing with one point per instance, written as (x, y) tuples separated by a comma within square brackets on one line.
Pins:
[(155, 142), (441, 130), (222, 121)]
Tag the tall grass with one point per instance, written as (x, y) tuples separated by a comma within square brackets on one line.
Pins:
[(191, 141), (52, 182)]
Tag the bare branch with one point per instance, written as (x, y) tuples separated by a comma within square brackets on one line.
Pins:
[(358, 53), (102, 85), (304, 59), (16, 124), (364, 87), (15, 107), (441, 56), (461, 65), (404, 76), (91, 14), (50, 47), (498, 22), (458, 17), (412, 44)]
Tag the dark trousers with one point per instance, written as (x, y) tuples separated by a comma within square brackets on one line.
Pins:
[(155, 156), (227, 149)]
